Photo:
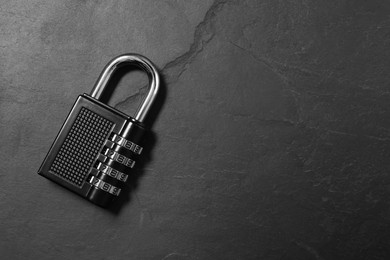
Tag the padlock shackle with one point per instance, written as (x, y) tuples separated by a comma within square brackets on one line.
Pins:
[(136, 60)]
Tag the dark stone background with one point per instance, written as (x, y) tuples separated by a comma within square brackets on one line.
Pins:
[(271, 139)]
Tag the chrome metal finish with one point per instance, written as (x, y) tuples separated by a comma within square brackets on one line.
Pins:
[(119, 158), (98, 183), (107, 170), (136, 60), (129, 145)]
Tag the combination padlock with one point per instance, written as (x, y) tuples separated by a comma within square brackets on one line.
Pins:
[(97, 146)]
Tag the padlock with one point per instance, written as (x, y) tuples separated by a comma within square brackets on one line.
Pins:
[(97, 146)]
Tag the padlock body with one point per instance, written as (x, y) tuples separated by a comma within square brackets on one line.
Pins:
[(95, 151)]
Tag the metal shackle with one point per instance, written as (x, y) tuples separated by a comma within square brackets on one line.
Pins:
[(140, 62)]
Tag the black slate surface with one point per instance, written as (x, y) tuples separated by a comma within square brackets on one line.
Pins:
[(270, 139)]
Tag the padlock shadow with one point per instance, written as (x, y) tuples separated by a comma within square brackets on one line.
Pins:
[(149, 141)]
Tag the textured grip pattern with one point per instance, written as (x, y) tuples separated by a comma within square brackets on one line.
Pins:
[(81, 146)]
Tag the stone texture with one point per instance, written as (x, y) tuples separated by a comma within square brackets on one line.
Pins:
[(270, 139)]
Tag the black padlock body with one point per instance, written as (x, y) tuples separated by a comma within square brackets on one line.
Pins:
[(94, 152)]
